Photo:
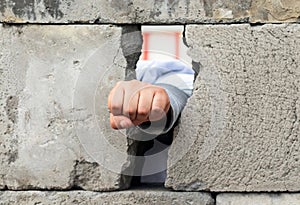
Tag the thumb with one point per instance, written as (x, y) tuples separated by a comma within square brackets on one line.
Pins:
[(120, 122)]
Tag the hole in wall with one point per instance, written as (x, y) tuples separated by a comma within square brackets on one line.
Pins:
[(161, 45)]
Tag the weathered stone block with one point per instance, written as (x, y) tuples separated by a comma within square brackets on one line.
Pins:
[(54, 127), (240, 129), (258, 199), (151, 11), (147, 197), (275, 11)]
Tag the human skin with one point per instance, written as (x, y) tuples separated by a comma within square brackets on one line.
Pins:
[(132, 103)]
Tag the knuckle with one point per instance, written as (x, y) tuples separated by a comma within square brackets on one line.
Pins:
[(162, 91), (134, 81), (143, 112), (115, 108), (131, 112)]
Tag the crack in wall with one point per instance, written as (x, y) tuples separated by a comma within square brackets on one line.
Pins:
[(131, 44)]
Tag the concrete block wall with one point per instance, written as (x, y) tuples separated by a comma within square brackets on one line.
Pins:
[(244, 111), (59, 59), (47, 113)]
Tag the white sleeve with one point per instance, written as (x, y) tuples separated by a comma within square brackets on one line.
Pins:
[(171, 72)]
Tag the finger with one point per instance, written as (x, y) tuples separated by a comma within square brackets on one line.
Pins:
[(144, 105), (115, 100), (160, 105), (120, 122), (131, 105)]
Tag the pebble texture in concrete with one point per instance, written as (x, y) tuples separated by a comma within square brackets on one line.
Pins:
[(143, 197), (240, 129), (258, 199), (151, 11), (52, 92)]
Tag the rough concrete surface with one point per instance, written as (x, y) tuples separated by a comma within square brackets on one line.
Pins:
[(259, 199), (152, 11), (54, 86), (142, 197), (240, 129)]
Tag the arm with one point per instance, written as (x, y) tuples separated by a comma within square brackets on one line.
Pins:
[(165, 85)]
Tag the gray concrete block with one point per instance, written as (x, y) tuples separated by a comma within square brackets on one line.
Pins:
[(259, 199), (240, 129), (152, 11), (146, 197), (54, 127)]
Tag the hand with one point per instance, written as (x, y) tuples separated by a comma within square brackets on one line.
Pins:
[(133, 102)]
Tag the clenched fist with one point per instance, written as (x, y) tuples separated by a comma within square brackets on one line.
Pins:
[(133, 102)]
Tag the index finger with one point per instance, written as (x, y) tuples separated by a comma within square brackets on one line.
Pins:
[(115, 100)]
